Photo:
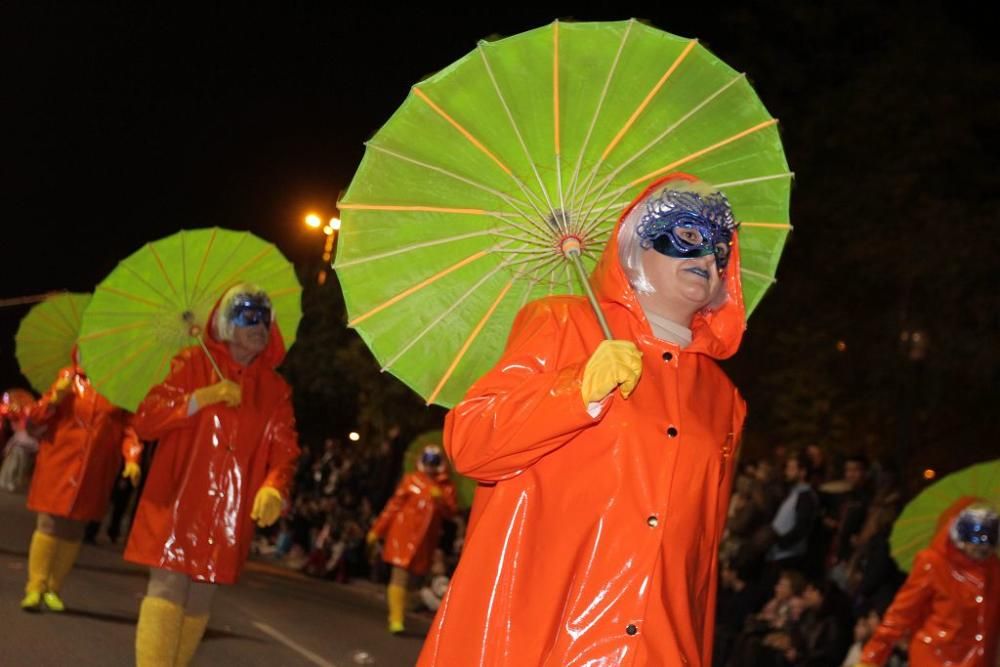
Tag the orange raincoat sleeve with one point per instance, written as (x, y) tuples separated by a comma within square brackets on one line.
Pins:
[(525, 408), (906, 613), (283, 449), (45, 409), (165, 408), (449, 500), (393, 507), (131, 444)]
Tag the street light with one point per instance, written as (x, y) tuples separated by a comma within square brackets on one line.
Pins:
[(354, 436), (313, 220)]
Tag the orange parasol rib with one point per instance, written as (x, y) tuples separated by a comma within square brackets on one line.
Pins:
[(163, 269), (697, 154), (416, 288), (555, 83), (649, 98), (468, 343), (468, 135), (420, 209), (132, 297), (767, 225)]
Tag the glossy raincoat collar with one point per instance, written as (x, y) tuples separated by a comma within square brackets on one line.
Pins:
[(270, 358), (716, 333)]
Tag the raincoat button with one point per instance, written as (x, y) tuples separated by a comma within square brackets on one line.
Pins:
[(652, 521), (672, 432), (631, 629), (667, 356)]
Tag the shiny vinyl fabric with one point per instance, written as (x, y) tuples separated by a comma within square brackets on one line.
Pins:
[(411, 522), (194, 515), (949, 605), (80, 453), (593, 540)]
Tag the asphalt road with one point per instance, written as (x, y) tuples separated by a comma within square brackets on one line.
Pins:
[(272, 618)]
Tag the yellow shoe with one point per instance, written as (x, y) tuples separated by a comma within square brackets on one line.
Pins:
[(396, 597), (396, 627), (52, 602), (32, 601)]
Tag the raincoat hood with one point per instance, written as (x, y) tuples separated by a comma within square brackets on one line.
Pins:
[(271, 357), (716, 333)]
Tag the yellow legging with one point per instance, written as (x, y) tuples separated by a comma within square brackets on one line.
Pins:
[(172, 619)]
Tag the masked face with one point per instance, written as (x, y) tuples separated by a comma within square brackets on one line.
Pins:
[(432, 459), (686, 225), (976, 531), (250, 317)]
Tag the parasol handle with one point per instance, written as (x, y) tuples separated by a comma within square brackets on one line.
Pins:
[(201, 342), (195, 332), (571, 249)]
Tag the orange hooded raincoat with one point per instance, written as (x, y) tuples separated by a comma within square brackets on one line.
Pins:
[(411, 521), (593, 540), (80, 453), (949, 606), (194, 515)]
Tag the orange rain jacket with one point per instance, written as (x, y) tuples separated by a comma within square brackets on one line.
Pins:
[(194, 516), (949, 606), (80, 453), (411, 521), (593, 540)]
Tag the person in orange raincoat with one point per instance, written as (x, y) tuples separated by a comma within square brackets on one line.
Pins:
[(605, 466), (226, 456), (79, 457), (410, 524), (949, 606)]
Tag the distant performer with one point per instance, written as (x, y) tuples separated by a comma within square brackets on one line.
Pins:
[(226, 457), (79, 456), (410, 524), (949, 606)]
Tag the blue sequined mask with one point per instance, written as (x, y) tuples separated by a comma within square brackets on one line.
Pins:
[(248, 310), (978, 526), (685, 224)]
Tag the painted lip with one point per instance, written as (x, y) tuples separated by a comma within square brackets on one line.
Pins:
[(698, 271)]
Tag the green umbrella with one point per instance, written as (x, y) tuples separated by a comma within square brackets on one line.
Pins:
[(916, 526), (46, 336), (157, 302), (500, 178), (465, 488)]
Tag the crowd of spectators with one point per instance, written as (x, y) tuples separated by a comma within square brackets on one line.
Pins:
[(805, 569), (339, 490)]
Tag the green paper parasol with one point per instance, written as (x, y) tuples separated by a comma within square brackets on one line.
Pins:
[(916, 526), (158, 300), (46, 336), (500, 178)]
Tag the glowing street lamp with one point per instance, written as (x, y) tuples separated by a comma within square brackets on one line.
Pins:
[(335, 224), (354, 436), (313, 221)]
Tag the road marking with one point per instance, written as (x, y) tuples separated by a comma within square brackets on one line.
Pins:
[(298, 648)]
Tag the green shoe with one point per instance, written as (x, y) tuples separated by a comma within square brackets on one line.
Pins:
[(52, 602), (32, 601)]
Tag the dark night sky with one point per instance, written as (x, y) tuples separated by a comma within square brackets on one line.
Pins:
[(123, 123)]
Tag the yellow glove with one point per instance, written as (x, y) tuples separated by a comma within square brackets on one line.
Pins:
[(267, 506), (62, 387), (371, 538), (614, 363), (436, 491), (132, 473), (227, 392)]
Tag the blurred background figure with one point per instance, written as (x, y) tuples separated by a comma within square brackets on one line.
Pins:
[(411, 525)]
